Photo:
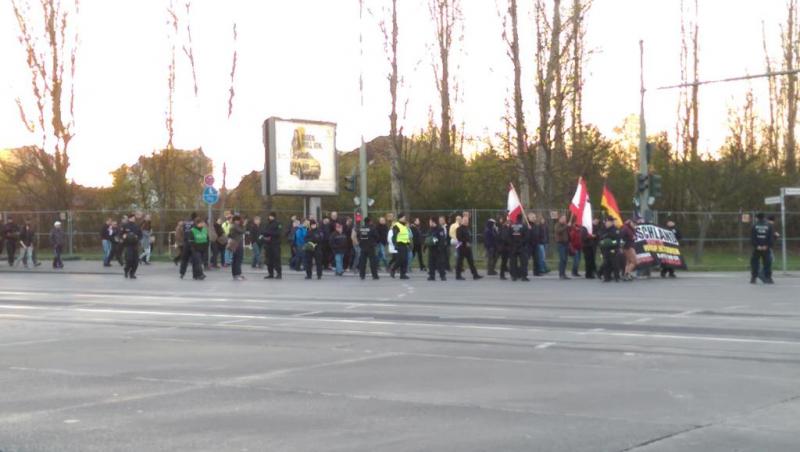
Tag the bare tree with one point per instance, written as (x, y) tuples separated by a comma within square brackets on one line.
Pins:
[(447, 17), (772, 132), (688, 126), (231, 91), (388, 24), (524, 162), (49, 37), (172, 27), (791, 55)]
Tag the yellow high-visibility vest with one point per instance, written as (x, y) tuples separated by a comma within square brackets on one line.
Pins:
[(402, 233)]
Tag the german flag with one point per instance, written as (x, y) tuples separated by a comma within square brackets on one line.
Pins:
[(609, 203)]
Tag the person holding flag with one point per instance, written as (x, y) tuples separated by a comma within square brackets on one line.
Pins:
[(581, 209)]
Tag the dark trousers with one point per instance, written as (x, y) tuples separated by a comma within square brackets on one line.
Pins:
[(368, 255), (57, 256), (590, 261), (418, 255), (186, 257), (519, 264), (465, 252), (491, 260), (273, 259), (436, 260), (764, 257), (533, 253), (610, 265), (238, 257), (313, 257), (116, 252), (401, 258), (11, 251), (504, 255), (196, 256), (131, 259)]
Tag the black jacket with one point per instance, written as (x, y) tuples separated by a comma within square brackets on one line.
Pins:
[(490, 235), (762, 235), (27, 236), (383, 234), (271, 233), (438, 239), (338, 241), (518, 236), (367, 238), (464, 236)]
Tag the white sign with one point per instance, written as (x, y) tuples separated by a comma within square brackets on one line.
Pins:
[(772, 200), (301, 157), (792, 191)]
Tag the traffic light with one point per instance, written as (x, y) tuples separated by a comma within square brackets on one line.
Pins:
[(655, 185), (351, 182), (642, 183)]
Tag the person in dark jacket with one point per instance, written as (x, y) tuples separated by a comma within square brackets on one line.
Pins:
[(236, 246), (674, 229), (131, 234), (519, 241), (105, 237), (490, 239), (589, 242), (610, 248), (417, 241), (312, 250), (436, 243), (383, 242), (186, 247), (270, 239), (57, 241), (338, 244), (368, 241), (464, 245), (762, 237), (11, 239), (533, 240), (543, 241)]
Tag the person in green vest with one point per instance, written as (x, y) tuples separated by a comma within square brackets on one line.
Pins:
[(198, 240), (401, 240)]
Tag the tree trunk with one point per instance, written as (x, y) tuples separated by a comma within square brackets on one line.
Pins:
[(397, 189), (526, 178), (789, 58)]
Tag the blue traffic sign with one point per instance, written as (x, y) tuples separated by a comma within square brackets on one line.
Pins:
[(210, 195)]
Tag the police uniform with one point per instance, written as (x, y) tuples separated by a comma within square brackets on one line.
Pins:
[(609, 247), (436, 243), (519, 242), (313, 251), (504, 248), (367, 241), (271, 242), (464, 237), (131, 234), (187, 252), (762, 237)]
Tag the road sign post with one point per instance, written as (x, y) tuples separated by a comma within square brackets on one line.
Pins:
[(781, 199)]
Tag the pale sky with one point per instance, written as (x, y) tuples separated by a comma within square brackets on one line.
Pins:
[(300, 59)]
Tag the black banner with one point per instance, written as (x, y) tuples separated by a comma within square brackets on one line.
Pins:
[(658, 247)]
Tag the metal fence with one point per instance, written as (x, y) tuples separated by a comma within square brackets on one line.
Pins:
[(705, 234)]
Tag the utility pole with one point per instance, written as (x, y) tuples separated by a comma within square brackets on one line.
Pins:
[(643, 192), (362, 151)]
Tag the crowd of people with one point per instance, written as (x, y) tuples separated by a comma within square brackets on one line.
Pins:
[(393, 243)]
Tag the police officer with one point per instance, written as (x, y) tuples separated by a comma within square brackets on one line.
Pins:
[(367, 241), (762, 237), (436, 242), (503, 246), (519, 242), (271, 241), (131, 235), (464, 238), (401, 240), (609, 247)]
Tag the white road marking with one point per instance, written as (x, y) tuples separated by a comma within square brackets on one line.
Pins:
[(545, 345)]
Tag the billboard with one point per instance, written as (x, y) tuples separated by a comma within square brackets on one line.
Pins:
[(301, 158)]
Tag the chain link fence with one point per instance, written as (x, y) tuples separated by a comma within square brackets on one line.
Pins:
[(718, 239)]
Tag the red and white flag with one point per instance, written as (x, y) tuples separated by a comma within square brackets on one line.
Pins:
[(514, 207), (580, 206)]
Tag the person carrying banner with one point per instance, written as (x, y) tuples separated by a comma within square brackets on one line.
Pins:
[(762, 237), (669, 271)]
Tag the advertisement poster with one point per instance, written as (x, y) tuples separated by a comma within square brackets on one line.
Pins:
[(301, 157), (657, 247)]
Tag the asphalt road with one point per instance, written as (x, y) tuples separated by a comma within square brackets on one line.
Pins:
[(94, 362)]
